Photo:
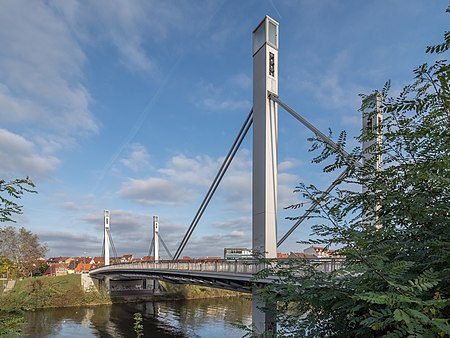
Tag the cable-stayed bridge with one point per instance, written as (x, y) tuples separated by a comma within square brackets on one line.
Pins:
[(229, 274), (239, 275)]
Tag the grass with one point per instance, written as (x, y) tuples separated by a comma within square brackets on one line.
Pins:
[(63, 291), (57, 291), (195, 292)]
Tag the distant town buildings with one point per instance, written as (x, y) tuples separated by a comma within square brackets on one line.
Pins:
[(68, 265), (237, 253)]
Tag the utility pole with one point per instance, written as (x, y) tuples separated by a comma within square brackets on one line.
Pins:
[(265, 139)]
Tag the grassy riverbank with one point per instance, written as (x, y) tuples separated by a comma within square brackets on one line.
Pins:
[(58, 291), (177, 291), (63, 291)]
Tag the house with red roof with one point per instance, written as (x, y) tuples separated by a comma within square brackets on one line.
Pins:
[(83, 267)]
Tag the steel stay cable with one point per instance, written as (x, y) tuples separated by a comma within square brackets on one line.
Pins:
[(112, 245), (183, 241), (215, 187), (316, 131), (151, 247), (165, 247), (236, 144), (313, 206)]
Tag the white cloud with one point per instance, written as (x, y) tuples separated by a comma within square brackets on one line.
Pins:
[(19, 155), (226, 96), (138, 158), (44, 104), (176, 183), (242, 80), (207, 245), (199, 170), (80, 242), (234, 224), (287, 164), (133, 28), (328, 85), (224, 104), (42, 71), (184, 179), (155, 190)]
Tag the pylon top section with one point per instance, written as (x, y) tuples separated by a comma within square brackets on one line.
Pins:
[(265, 32), (106, 218)]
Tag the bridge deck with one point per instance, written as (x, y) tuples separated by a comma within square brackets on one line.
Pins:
[(236, 275)]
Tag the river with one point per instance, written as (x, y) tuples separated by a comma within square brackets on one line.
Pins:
[(212, 317)]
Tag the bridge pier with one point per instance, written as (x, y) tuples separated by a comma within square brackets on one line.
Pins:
[(263, 316)]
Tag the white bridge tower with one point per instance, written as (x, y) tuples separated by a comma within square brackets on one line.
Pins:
[(106, 242), (156, 238), (265, 140)]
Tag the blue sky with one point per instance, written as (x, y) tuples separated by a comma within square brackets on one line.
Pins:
[(131, 106)]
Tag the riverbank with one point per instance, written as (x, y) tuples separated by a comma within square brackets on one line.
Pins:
[(66, 291), (57, 291), (177, 291)]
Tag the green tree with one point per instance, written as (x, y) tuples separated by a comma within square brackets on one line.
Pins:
[(22, 248), (13, 190), (10, 191), (396, 278)]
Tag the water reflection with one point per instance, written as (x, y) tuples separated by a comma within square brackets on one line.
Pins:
[(216, 317)]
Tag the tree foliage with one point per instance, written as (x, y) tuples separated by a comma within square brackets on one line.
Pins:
[(22, 248), (396, 278), (13, 190)]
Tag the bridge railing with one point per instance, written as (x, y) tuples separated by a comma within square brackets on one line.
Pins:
[(234, 266)]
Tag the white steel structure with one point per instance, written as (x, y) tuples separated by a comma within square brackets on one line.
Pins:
[(156, 238), (372, 118), (106, 236), (265, 139)]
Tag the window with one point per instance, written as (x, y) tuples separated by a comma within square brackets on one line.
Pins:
[(273, 34)]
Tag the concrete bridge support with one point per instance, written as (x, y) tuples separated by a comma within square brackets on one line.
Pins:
[(265, 144)]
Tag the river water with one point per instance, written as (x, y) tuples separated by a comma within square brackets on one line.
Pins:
[(213, 317)]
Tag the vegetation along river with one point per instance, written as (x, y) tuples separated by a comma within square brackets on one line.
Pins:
[(213, 317)]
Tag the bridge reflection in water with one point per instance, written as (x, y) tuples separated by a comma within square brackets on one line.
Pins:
[(235, 275)]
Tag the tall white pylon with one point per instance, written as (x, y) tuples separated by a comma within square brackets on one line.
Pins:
[(265, 144), (106, 236), (372, 119), (265, 138), (156, 238)]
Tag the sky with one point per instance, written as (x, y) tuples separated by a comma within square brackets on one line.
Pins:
[(131, 106)]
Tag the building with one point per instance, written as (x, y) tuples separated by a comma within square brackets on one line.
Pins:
[(300, 255), (57, 269), (126, 258), (98, 261), (83, 267), (237, 253), (319, 251)]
